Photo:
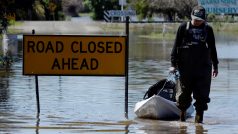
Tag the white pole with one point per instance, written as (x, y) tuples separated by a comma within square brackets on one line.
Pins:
[(122, 4)]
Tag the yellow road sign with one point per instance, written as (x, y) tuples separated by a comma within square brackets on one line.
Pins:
[(74, 55)]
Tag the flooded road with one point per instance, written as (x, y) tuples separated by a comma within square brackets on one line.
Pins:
[(95, 105)]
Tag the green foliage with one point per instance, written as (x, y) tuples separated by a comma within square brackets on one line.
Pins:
[(24, 9), (211, 17), (87, 6), (215, 21), (220, 18), (159, 36), (39, 10), (229, 19), (12, 22), (61, 15), (169, 8), (46, 1), (72, 7), (142, 9), (21, 14), (217, 25)]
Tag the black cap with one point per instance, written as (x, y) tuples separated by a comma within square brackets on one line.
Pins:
[(198, 13)]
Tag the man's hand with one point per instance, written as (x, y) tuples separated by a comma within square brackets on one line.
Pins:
[(214, 73), (172, 69)]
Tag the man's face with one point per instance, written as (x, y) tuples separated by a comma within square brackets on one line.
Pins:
[(197, 22)]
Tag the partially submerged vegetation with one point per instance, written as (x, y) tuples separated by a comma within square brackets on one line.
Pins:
[(6, 59), (156, 30), (159, 36)]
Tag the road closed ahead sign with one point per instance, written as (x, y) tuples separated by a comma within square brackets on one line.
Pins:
[(74, 55)]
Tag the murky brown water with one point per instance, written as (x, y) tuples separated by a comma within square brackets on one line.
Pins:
[(95, 105)]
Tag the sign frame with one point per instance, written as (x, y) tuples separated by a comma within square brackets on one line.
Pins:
[(87, 36)]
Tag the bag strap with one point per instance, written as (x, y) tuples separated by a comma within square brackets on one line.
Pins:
[(205, 30), (186, 37), (146, 96), (187, 26)]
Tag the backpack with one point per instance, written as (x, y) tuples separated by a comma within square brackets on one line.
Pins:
[(165, 88)]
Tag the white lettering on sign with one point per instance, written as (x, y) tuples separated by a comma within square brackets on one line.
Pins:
[(119, 13), (220, 6)]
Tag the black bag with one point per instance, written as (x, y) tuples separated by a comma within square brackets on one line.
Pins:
[(164, 88)]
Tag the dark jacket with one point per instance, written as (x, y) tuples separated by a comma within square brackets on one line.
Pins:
[(196, 56)]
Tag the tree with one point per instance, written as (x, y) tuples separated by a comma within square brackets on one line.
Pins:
[(143, 10), (99, 6), (52, 8), (170, 8), (146, 8), (6, 6), (87, 6), (72, 7), (167, 7), (184, 7), (24, 9)]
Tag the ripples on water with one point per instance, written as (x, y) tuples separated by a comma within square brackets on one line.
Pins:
[(96, 104)]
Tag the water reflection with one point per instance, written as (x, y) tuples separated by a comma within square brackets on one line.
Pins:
[(200, 129), (183, 129), (9, 45), (4, 92), (60, 96), (9, 49), (5, 44), (226, 46)]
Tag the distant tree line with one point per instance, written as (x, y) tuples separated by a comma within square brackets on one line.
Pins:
[(31, 9), (170, 9), (57, 9)]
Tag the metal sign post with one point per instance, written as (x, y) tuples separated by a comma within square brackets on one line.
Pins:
[(126, 68), (122, 3), (37, 89), (37, 94)]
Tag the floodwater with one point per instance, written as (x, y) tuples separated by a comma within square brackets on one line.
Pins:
[(95, 105)]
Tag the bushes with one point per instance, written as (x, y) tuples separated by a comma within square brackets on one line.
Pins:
[(39, 10), (211, 17), (220, 18), (72, 7)]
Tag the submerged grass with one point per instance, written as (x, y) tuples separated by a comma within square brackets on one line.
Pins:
[(129, 122), (225, 27), (159, 36), (101, 127)]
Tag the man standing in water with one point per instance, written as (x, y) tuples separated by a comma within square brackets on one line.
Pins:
[(193, 55)]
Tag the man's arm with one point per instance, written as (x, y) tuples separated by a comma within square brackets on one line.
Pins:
[(177, 43), (212, 45)]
